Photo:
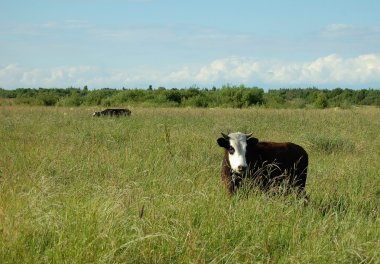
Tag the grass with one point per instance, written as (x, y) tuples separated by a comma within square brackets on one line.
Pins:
[(147, 189)]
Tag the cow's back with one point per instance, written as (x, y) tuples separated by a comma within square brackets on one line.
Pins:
[(273, 159), (276, 152)]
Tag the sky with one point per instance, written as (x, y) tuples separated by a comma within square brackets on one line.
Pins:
[(179, 44)]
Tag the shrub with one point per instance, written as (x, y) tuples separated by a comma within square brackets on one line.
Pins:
[(321, 101)]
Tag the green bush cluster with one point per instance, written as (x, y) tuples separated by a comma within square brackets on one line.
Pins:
[(226, 96)]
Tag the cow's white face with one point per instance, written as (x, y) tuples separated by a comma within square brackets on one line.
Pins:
[(236, 145)]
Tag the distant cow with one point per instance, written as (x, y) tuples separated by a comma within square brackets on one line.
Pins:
[(265, 164), (113, 112)]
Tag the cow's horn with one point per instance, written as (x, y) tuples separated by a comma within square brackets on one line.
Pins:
[(248, 135), (225, 136)]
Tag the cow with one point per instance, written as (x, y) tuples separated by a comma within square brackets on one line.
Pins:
[(113, 112), (264, 164)]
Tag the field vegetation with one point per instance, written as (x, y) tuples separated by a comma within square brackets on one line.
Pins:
[(147, 188), (226, 96)]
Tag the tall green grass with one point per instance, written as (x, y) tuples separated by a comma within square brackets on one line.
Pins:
[(147, 189)]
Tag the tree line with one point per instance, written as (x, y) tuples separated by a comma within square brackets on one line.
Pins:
[(225, 96)]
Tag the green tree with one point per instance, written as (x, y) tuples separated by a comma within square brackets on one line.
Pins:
[(321, 100)]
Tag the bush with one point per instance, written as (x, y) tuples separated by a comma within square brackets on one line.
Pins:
[(197, 101), (72, 100), (174, 96), (321, 101)]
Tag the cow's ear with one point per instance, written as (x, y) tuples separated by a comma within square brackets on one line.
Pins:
[(252, 141), (224, 143)]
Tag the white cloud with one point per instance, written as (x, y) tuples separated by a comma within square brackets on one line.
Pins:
[(334, 69), (338, 27), (325, 71), (76, 24), (330, 71), (10, 75), (13, 76), (229, 70), (184, 75), (353, 37)]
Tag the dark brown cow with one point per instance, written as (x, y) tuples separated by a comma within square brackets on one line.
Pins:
[(113, 112), (266, 164)]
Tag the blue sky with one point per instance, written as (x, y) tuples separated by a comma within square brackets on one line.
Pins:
[(137, 43)]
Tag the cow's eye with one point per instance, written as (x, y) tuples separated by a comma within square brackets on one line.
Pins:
[(231, 150)]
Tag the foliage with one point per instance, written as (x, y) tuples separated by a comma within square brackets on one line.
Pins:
[(226, 96), (321, 100)]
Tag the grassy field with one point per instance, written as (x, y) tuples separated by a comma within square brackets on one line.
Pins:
[(147, 189)]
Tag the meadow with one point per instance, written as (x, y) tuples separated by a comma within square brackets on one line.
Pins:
[(147, 189)]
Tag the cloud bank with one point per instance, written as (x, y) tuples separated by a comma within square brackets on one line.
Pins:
[(326, 72)]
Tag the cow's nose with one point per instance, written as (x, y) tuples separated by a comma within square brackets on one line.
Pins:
[(242, 168)]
